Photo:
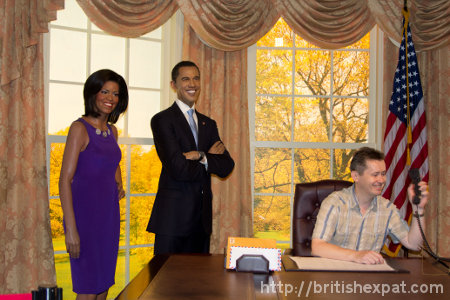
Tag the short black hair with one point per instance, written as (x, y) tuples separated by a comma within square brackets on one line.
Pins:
[(184, 63), (94, 84), (363, 154)]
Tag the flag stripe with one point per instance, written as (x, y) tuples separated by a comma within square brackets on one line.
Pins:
[(398, 159), (393, 141)]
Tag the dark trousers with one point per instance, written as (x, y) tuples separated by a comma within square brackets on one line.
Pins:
[(197, 242)]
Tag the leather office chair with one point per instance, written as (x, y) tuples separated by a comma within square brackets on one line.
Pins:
[(307, 200)]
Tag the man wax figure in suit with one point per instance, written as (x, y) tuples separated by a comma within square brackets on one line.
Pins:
[(182, 213)]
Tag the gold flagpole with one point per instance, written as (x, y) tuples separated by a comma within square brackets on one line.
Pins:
[(408, 120)]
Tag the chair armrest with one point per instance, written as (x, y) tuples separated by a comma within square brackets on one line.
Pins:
[(288, 251)]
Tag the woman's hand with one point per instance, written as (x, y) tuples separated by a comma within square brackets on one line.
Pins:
[(73, 243), (120, 190)]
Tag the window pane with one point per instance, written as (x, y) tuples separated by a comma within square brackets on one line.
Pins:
[(123, 216), (143, 105), (94, 28), (350, 120), (66, 104), (72, 16), (311, 165), (272, 170), (140, 210), (273, 71), (279, 36), (145, 169), (56, 214), (122, 202), (341, 163), (123, 165), (56, 156), (351, 73), (363, 43), (312, 72), (63, 275), (56, 221), (139, 257), (145, 64), (273, 119), (67, 55), (302, 43), (119, 278), (108, 52), (312, 119), (272, 217), (120, 124), (155, 34)]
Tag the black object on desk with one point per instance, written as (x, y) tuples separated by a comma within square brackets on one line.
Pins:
[(252, 263)]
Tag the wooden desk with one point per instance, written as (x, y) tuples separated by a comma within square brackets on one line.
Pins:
[(204, 277)]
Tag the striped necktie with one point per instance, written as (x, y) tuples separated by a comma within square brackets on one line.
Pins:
[(192, 125)]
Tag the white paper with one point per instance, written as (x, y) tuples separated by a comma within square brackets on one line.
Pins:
[(328, 264), (273, 255)]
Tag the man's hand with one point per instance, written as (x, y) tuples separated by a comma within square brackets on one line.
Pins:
[(368, 257), (192, 155), (423, 187), (217, 148), (324, 249)]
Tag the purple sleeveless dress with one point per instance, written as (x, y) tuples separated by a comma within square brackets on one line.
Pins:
[(97, 214)]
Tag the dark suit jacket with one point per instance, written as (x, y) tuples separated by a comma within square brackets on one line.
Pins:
[(184, 196)]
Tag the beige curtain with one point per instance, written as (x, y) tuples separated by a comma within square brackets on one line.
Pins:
[(26, 259), (224, 98), (436, 72)]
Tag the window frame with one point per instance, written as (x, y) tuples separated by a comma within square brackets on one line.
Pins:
[(375, 126)]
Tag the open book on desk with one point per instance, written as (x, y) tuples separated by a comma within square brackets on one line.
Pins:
[(297, 263)]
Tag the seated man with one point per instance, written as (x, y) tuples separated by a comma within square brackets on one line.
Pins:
[(353, 223)]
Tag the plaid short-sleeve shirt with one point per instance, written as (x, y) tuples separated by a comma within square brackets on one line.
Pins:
[(341, 223)]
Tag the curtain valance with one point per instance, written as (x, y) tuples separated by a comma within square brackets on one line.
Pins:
[(230, 25), (235, 25)]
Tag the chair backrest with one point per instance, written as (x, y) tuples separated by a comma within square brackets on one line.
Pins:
[(307, 200)]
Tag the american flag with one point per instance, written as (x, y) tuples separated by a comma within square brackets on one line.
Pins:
[(405, 139)]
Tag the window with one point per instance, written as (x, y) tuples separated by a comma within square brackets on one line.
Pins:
[(310, 109), (75, 49)]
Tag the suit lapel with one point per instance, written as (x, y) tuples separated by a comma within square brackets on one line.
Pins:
[(202, 129)]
